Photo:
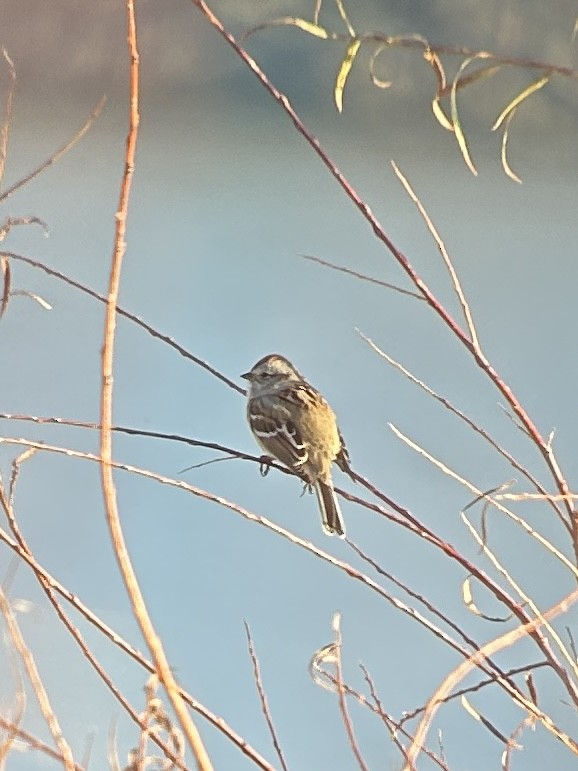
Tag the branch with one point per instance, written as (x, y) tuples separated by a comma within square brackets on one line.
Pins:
[(137, 601)]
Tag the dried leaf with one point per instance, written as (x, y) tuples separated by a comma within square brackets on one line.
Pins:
[(344, 71), (290, 21), (312, 29), (460, 136), (468, 599), (26, 455), (326, 656), (375, 80), (440, 114), (336, 622), (532, 88), (33, 296), (468, 707), (467, 596), (40, 300), (505, 165), (490, 726)]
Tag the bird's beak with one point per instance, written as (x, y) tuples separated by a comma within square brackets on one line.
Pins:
[(247, 376)]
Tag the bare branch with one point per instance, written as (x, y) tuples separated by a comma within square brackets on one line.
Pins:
[(263, 698)]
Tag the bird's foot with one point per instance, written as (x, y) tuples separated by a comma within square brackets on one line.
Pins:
[(265, 464)]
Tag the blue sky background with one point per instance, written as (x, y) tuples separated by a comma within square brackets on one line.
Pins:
[(226, 197)]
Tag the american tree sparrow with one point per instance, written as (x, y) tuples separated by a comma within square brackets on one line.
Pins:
[(292, 422)]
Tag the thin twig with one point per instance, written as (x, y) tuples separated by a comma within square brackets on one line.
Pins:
[(58, 154), (445, 256), (392, 726), (263, 698), (410, 715), (33, 743), (128, 315), (512, 741), (37, 684), (485, 721), (18, 707), (341, 694), (58, 421), (482, 432), (361, 276)]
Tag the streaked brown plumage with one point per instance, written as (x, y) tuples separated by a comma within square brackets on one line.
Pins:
[(293, 423)]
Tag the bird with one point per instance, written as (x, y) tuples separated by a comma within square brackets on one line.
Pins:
[(293, 423)]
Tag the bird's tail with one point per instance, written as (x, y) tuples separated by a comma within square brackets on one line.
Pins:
[(331, 517)]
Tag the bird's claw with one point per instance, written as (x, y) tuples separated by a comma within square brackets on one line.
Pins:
[(265, 464)]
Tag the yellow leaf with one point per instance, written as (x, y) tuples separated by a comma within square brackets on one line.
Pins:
[(468, 707), (307, 26), (344, 71), (288, 21), (505, 165), (460, 136), (468, 599), (532, 88), (440, 114)]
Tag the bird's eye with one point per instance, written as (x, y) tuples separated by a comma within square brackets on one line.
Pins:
[(265, 374)]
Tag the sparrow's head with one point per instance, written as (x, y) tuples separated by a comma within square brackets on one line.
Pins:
[(269, 372)]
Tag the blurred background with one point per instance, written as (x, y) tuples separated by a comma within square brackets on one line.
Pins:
[(226, 198)]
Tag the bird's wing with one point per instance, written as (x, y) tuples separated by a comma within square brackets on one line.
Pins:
[(278, 435)]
